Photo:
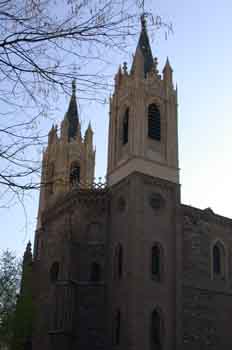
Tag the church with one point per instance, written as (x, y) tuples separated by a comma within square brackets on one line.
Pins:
[(124, 264)]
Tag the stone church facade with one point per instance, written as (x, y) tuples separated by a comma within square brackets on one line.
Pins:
[(124, 265)]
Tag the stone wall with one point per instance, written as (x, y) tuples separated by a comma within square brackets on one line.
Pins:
[(207, 299)]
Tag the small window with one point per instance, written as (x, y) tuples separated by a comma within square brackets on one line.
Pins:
[(118, 262), (156, 262), (75, 174), (95, 273), (154, 127), (157, 330), (125, 126), (218, 260), (54, 272), (117, 328)]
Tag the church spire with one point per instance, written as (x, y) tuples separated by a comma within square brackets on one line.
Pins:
[(143, 49), (72, 114)]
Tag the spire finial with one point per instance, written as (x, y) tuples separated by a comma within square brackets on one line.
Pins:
[(74, 87)]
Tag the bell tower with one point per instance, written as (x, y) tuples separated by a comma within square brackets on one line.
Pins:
[(69, 159), (143, 119)]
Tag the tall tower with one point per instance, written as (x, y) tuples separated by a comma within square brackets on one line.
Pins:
[(143, 119), (143, 179), (68, 160)]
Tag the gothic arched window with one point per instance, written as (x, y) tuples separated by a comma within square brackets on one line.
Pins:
[(95, 273), (157, 262), (157, 330), (218, 260), (154, 124), (117, 328), (75, 171), (54, 272), (118, 262), (125, 127)]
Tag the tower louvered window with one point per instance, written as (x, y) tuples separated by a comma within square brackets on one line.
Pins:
[(125, 126), (154, 125), (75, 174)]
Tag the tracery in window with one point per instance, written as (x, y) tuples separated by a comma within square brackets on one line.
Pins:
[(154, 124)]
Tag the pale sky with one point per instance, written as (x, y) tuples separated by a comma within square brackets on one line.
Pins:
[(200, 53)]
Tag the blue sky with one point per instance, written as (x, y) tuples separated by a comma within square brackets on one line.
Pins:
[(200, 53)]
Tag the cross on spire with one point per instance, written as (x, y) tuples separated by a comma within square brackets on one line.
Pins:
[(143, 5)]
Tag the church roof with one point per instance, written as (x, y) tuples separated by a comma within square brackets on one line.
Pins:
[(145, 48), (72, 114)]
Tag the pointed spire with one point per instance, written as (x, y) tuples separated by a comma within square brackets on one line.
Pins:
[(72, 114), (144, 48)]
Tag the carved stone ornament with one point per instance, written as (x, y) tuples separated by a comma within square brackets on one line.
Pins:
[(121, 204), (156, 201)]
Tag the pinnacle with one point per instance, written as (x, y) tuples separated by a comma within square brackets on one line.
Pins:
[(28, 253), (89, 129), (167, 65)]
